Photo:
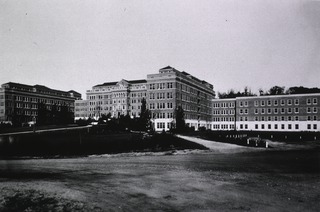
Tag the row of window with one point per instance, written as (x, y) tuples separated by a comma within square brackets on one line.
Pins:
[(276, 102), (280, 126), (161, 86), (223, 105), (222, 119), (277, 110), (162, 115), (223, 112), (162, 125), (161, 105), (38, 100), (161, 95), (223, 126), (279, 118)]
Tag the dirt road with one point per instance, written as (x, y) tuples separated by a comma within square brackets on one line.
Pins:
[(245, 181)]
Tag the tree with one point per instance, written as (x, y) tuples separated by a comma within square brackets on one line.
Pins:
[(180, 122), (302, 90), (42, 118), (261, 92), (145, 116), (232, 94), (276, 90)]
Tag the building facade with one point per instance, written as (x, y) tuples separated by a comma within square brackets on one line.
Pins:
[(297, 112), (169, 89), (164, 92), (117, 98), (21, 101)]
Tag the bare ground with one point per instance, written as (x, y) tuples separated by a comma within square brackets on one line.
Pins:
[(266, 180)]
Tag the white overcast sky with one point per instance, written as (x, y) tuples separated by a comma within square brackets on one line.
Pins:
[(231, 44)]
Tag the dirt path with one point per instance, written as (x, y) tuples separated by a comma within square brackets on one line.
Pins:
[(219, 146)]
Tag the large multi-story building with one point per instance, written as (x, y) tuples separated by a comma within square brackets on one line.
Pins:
[(163, 91), (169, 89), (117, 98), (22, 101), (297, 112)]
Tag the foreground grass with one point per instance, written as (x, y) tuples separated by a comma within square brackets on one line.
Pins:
[(82, 143)]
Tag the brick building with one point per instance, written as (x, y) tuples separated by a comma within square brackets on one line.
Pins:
[(170, 89), (296, 112), (163, 91), (22, 100), (117, 98)]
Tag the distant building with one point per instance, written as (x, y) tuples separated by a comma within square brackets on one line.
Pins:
[(117, 98), (164, 92), (296, 112), (20, 101)]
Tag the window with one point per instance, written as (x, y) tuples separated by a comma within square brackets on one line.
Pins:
[(276, 118), (269, 102), (256, 126), (282, 126), (309, 110), (314, 118), (315, 110), (262, 126), (241, 126), (246, 126), (262, 110), (170, 85), (256, 118), (282, 110), (296, 110), (289, 126), (275, 126), (161, 86), (256, 110), (256, 103), (315, 101), (296, 101), (246, 111), (246, 103), (269, 110), (275, 110), (296, 126), (296, 118), (241, 104), (269, 126), (314, 126), (289, 102), (308, 101), (309, 126), (289, 110), (262, 103), (275, 102), (282, 102)]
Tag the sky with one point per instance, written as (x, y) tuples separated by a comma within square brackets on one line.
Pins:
[(76, 44)]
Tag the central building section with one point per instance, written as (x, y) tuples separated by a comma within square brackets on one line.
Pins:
[(164, 93), (170, 89)]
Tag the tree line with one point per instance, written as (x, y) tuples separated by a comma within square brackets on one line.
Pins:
[(275, 90)]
